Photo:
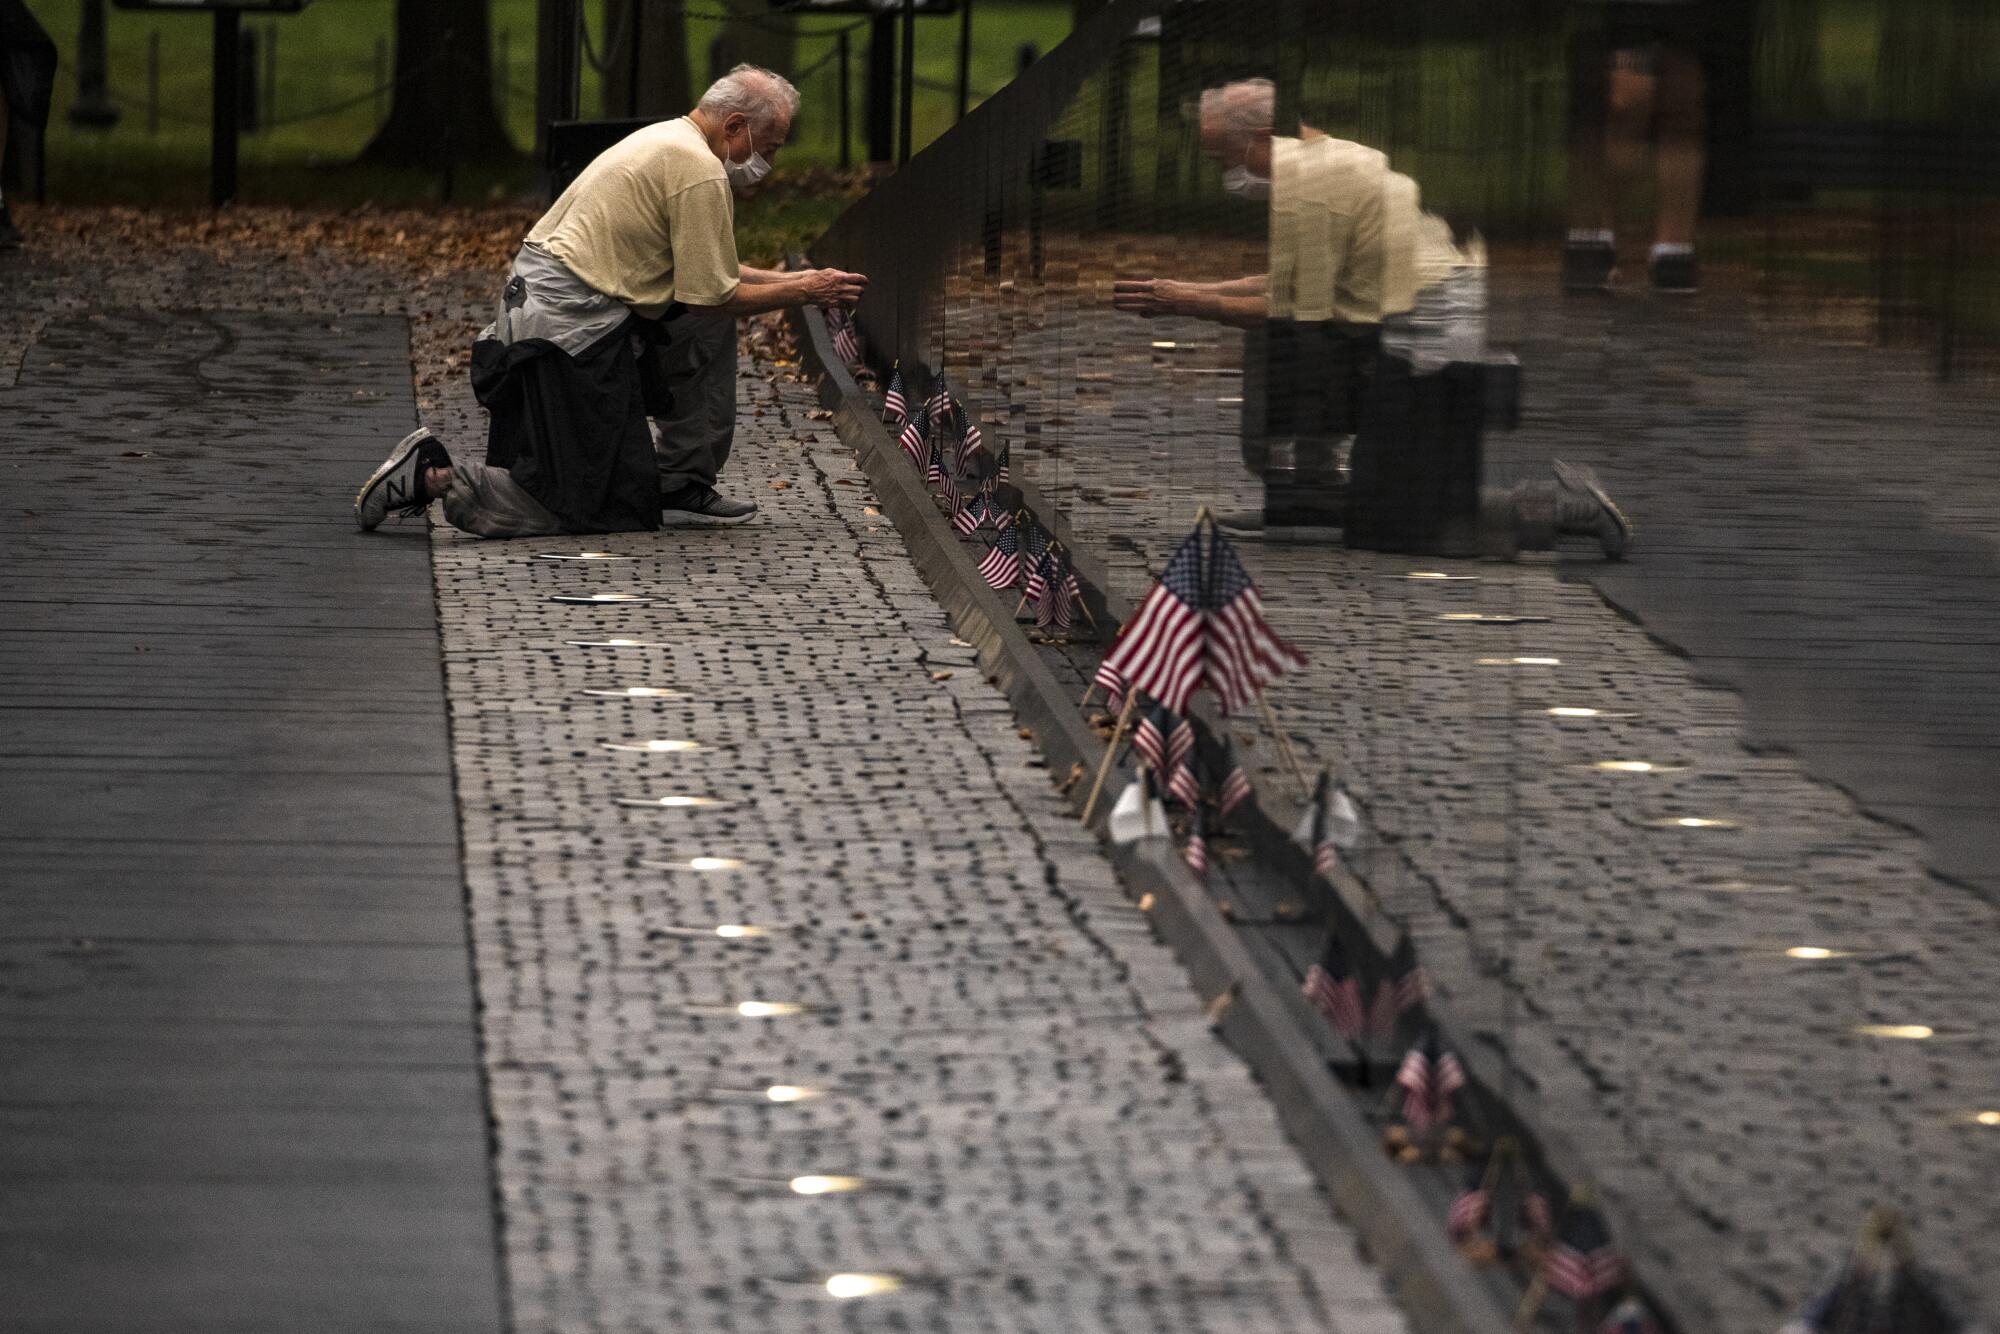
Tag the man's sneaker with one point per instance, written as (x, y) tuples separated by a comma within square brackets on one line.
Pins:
[(1676, 275), (1586, 509), (699, 505), (399, 483), (1588, 265), (10, 235)]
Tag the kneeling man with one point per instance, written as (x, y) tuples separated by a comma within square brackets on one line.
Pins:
[(621, 307)]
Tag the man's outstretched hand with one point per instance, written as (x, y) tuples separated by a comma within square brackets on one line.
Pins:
[(834, 287), (1150, 297)]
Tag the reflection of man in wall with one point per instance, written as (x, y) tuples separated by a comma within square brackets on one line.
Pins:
[(1368, 333)]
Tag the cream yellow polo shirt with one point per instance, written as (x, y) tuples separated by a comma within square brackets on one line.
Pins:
[(650, 221)]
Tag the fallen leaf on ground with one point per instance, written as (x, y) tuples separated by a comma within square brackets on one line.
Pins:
[(135, 454), (819, 414), (781, 485), (941, 676)]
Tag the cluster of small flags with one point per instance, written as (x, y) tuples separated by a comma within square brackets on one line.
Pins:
[(1202, 625), (846, 338), (1427, 1081), (1335, 990), (1500, 1205), (1581, 1263)]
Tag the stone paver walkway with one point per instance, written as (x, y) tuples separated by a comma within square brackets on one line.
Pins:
[(1053, 1139)]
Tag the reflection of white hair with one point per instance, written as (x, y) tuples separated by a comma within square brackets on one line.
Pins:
[(1240, 111), (757, 93)]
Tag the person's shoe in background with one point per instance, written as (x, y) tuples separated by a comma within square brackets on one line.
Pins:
[(1674, 270), (1589, 259)]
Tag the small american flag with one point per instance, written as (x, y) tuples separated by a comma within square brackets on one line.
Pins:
[(896, 402), (1180, 741), (1203, 625), (934, 474), (846, 339), (1468, 1207), (1403, 986), (1000, 464), (1002, 566), (965, 518), (1428, 1077), (938, 406), (1583, 1263), (1111, 684), (1182, 780), (1334, 990), (1235, 788)]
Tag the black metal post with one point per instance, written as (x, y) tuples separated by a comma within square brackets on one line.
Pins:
[(248, 119), (845, 83), (448, 141), (882, 88), (555, 67), (225, 104), (636, 17), (93, 107), (964, 57), (909, 74)]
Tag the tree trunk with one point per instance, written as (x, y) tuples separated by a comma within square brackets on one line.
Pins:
[(663, 59), (753, 35), (443, 107)]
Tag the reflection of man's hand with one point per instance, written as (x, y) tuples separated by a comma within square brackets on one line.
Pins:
[(1149, 297)]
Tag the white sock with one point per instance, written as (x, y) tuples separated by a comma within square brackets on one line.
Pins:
[(1667, 249), (1592, 236)]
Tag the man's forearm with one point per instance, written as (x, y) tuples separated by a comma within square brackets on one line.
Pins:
[(769, 291), (753, 275)]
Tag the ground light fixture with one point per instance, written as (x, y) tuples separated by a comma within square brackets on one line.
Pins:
[(601, 599), (1815, 952), (614, 643), (580, 555), (849, 1286), (1990, 1118), (1735, 886), (1489, 618), (674, 802), (660, 746), (695, 864), (637, 692), (1690, 822), (1586, 713), (1905, 1032), (1519, 662), (762, 1009), (792, 1093), (818, 1184), (1436, 577)]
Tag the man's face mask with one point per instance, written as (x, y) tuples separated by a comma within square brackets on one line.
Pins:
[(743, 176), (1246, 184)]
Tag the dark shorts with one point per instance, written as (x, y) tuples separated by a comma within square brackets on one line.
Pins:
[(1635, 30)]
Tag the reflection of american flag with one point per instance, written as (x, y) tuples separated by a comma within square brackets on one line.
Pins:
[(1468, 1210), (896, 402), (1403, 986), (1196, 851), (846, 341), (1582, 1262), (1202, 625), (934, 461), (1180, 741), (970, 443), (916, 432), (1235, 788), (973, 515), (1181, 780), (1332, 987), (1428, 1078), (1111, 684), (938, 406), (1059, 597), (1002, 566), (1001, 463), (1035, 554), (1149, 738)]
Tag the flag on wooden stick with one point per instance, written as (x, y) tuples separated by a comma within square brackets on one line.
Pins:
[(896, 401), (1002, 566)]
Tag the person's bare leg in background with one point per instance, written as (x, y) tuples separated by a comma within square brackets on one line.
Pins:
[(1679, 165)]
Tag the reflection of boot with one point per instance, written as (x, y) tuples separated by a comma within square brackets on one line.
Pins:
[(1585, 508), (1530, 516)]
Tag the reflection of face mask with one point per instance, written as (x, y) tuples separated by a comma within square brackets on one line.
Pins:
[(1246, 184)]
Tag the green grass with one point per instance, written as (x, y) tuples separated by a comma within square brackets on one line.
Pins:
[(328, 55)]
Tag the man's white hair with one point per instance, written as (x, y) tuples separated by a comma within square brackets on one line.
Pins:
[(756, 92), (1240, 111)]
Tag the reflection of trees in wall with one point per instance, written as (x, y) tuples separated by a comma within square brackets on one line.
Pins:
[(443, 107), (754, 36), (661, 32)]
